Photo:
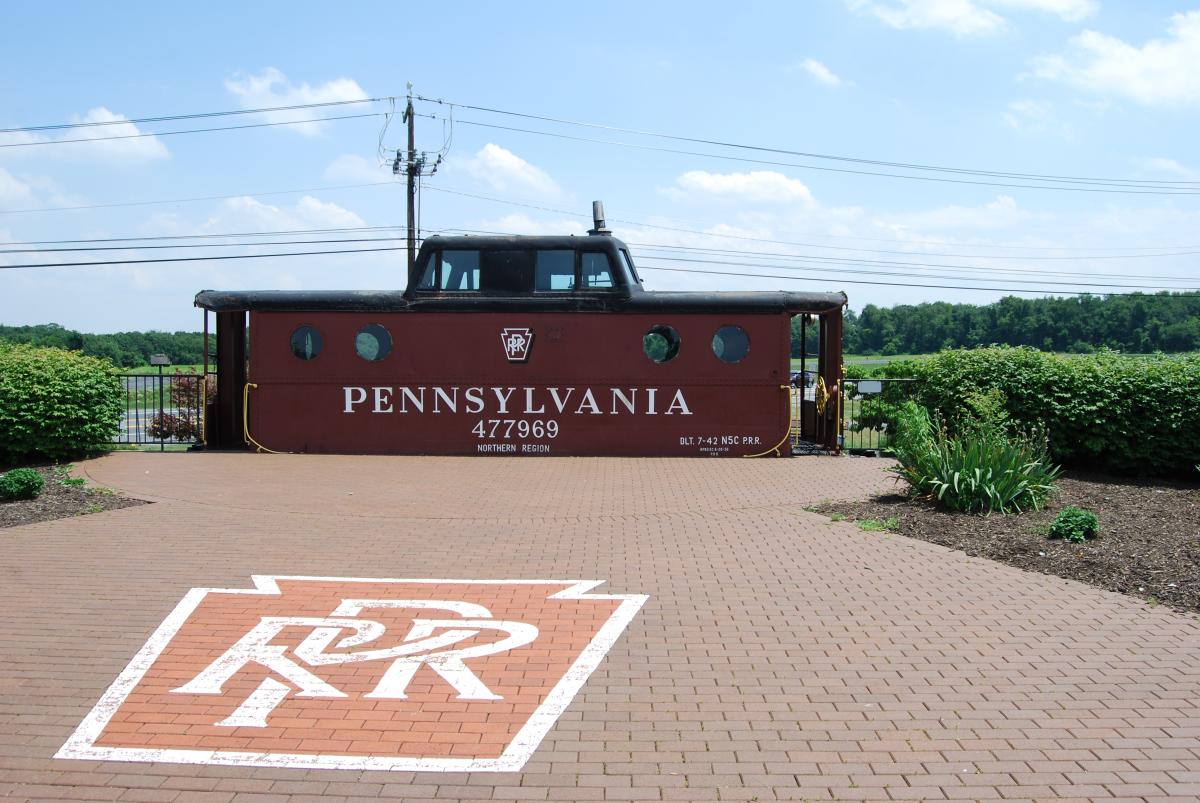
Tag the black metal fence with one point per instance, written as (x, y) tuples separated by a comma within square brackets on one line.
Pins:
[(866, 408), (164, 409)]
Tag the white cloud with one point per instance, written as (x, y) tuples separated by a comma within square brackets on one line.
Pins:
[(13, 190), (959, 17), (139, 149), (272, 88), (521, 223), (326, 214), (761, 186), (1035, 117), (1028, 114), (1161, 72), (1159, 164), (821, 73), (966, 17), (26, 191), (1002, 213), (504, 171), (97, 141), (1066, 10), (351, 167), (246, 213)]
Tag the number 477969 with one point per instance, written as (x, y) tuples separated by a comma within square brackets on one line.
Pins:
[(509, 428)]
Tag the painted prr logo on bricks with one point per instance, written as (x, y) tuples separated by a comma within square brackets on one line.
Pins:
[(353, 673)]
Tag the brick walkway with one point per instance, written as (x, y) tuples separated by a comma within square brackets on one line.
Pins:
[(780, 656)]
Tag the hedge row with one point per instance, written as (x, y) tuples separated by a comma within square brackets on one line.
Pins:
[(55, 404), (1108, 411)]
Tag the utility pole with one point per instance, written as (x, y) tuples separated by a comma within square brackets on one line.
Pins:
[(413, 171)]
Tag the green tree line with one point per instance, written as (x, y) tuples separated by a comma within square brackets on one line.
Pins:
[(125, 349), (1136, 323)]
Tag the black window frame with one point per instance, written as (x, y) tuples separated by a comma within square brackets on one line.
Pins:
[(574, 272), (613, 271), (616, 270), (437, 278), (627, 261), (319, 341)]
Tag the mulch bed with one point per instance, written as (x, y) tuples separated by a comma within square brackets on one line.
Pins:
[(1148, 547), (58, 501)]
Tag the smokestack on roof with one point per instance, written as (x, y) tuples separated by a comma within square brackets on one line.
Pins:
[(598, 227)]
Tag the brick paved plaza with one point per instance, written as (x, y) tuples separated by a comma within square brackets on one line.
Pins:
[(778, 656)]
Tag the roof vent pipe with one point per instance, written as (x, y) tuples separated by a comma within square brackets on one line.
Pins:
[(598, 220)]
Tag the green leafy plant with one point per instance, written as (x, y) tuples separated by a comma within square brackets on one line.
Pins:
[(1075, 525), (879, 525), (20, 483), (1109, 411), (55, 403), (984, 472)]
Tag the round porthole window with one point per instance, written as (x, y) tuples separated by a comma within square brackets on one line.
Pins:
[(661, 343), (307, 342), (731, 343), (373, 342)]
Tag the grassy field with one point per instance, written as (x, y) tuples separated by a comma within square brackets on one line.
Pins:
[(861, 359), (167, 369)]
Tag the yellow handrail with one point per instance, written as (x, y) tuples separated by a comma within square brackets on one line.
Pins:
[(246, 421), (787, 433)]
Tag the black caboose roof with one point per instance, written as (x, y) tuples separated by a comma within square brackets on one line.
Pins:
[(624, 295)]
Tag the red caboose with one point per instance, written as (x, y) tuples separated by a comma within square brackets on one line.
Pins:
[(519, 346)]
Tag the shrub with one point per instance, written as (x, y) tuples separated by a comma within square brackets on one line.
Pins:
[(55, 403), (912, 438), (880, 410), (1125, 414), (1075, 525), (971, 474), (20, 483), (180, 427)]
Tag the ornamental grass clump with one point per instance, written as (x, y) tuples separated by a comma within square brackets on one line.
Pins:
[(985, 469)]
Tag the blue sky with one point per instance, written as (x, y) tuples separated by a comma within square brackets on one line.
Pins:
[(1064, 87)]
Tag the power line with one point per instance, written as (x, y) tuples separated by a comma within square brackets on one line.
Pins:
[(208, 236), (789, 242), (348, 229), (895, 263), (183, 131), (1061, 186), (194, 259), (850, 270), (810, 154), (840, 261), (256, 244), (197, 198), (651, 247), (838, 277), (1027, 291), (192, 116)]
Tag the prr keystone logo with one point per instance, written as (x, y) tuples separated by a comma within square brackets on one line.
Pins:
[(517, 341), (352, 673)]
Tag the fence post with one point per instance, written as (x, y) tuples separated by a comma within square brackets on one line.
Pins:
[(161, 360)]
